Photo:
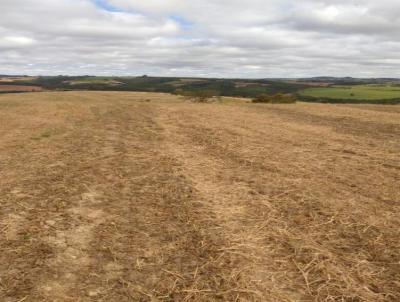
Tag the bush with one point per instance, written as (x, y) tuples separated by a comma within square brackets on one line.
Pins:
[(278, 98), (198, 96)]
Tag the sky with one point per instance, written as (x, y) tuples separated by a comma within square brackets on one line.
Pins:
[(201, 38)]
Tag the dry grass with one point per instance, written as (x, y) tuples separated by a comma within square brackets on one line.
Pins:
[(106, 197)]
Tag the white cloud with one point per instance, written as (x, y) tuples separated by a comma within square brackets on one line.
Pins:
[(15, 42), (152, 6), (253, 38)]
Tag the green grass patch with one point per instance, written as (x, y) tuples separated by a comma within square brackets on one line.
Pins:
[(356, 92), (47, 133)]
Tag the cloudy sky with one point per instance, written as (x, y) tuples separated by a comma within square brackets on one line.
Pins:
[(213, 38)]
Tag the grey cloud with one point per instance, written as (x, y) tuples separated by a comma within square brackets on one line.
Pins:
[(256, 38)]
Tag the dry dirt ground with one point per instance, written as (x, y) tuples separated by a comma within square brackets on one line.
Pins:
[(143, 197), (16, 79), (19, 88)]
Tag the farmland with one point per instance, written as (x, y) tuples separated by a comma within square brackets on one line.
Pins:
[(14, 79), (355, 92), (121, 196), (19, 88), (324, 89), (94, 80)]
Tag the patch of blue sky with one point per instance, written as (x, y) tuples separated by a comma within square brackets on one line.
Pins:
[(103, 4), (183, 22)]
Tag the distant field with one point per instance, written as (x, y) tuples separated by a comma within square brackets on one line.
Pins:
[(16, 79), (182, 82), (311, 84), (94, 80), (121, 196), (356, 92), (19, 88)]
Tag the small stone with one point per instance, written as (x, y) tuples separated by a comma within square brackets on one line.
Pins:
[(93, 293)]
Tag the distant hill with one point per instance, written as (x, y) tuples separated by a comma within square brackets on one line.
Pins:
[(225, 87)]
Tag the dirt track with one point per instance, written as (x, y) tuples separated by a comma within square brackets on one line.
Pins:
[(107, 197)]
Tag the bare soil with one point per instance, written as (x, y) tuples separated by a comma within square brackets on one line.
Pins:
[(22, 88), (16, 79), (108, 196)]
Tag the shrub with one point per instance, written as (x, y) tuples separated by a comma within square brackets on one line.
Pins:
[(278, 98), (198, 96)]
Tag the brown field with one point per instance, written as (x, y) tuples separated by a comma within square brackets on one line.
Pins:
[(107, 197), (22, 88), (16, 79)]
